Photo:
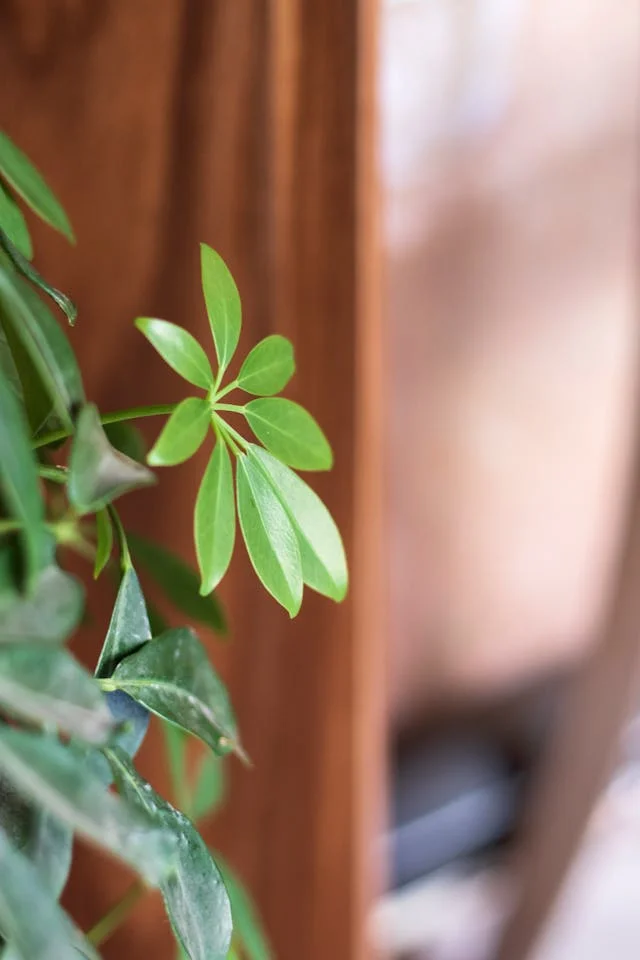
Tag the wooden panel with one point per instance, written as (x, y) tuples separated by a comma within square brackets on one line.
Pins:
[(247, 125)]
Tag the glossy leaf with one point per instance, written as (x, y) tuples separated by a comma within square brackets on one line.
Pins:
[(215, 519), (269, 537), (19, 480), (45, 343), (247, 926), (98, 473), (179, 349), (182, 434), (210, 786), (50, 614), (268, 367), (324, 565), (223, 305), (172, 676), (25, 179), (289, 432), (127, 439), (179, 583), (104, 541), (129, 625), (36, 926), (134, 719), (13, 223), (45, 685), (29, 272), (194, 893), (59, 778)]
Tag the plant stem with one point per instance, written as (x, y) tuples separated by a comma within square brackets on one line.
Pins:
[(117, 915), (232, 407), (116, 416), (229, 387), (9, 526), (56, 474)]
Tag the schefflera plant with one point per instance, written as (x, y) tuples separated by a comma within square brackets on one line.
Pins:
[(68, 736)]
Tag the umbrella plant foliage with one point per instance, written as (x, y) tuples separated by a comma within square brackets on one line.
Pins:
[(69, 735)]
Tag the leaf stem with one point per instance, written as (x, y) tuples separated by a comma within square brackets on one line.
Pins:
[(117, 915), (232, 407), (234, 440), (56, 474), (116, 416), (222, 393)]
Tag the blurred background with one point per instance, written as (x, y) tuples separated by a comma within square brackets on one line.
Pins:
[(437, 200)]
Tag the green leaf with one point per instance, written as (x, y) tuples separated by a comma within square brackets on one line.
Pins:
[(129, 625), (104, 541), (269, 537), (179, 583), (28, 271), (26, 381), (215, 519), (179, 349), (247, 926), (194, 893), (13, 223), (45, 343), (50, 614), (210, 786), (98, 473), (61, 780), (223, 305), (8, 368), (182, 434), (268, 367), (22, 176), (36, 926), (127, 439), (290, 433), (172, 676), (19, 480), (45, 685), (324, 565)]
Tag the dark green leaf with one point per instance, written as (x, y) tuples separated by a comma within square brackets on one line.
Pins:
[(210, 786), (324, 565), (104, 541), (22, 176), (223, 305), (49, 614), (289, 432), (59, 778), (127, 439), (268, 367), (179, 349), (183, 433), (194, 894), (172, 676), (179, 583), (45, 685), (26, 381), (45, 343), (247, 927), (270, 539), (215, 519), (129, 626), (134, 718), (19, 480), (98, 473), (13, 223), (8, 368), (176, 743), (28, 271), (36, 927)]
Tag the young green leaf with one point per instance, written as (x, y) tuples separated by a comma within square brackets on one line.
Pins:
[(45, 685), (172, 676), (182, 434), (23, 266), (179, 583), (44, 342), (104, 541), (290, 433), (13, 223), (269, 537), (98, 473), (23, 897), (215, 519), (19, 481), (324, 565), (223, 305), (179, 349), (129, 625), (60, 779), (22, 176), (210, 786), (194, 893), (268, 368), (247, 926), (50, 614)]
